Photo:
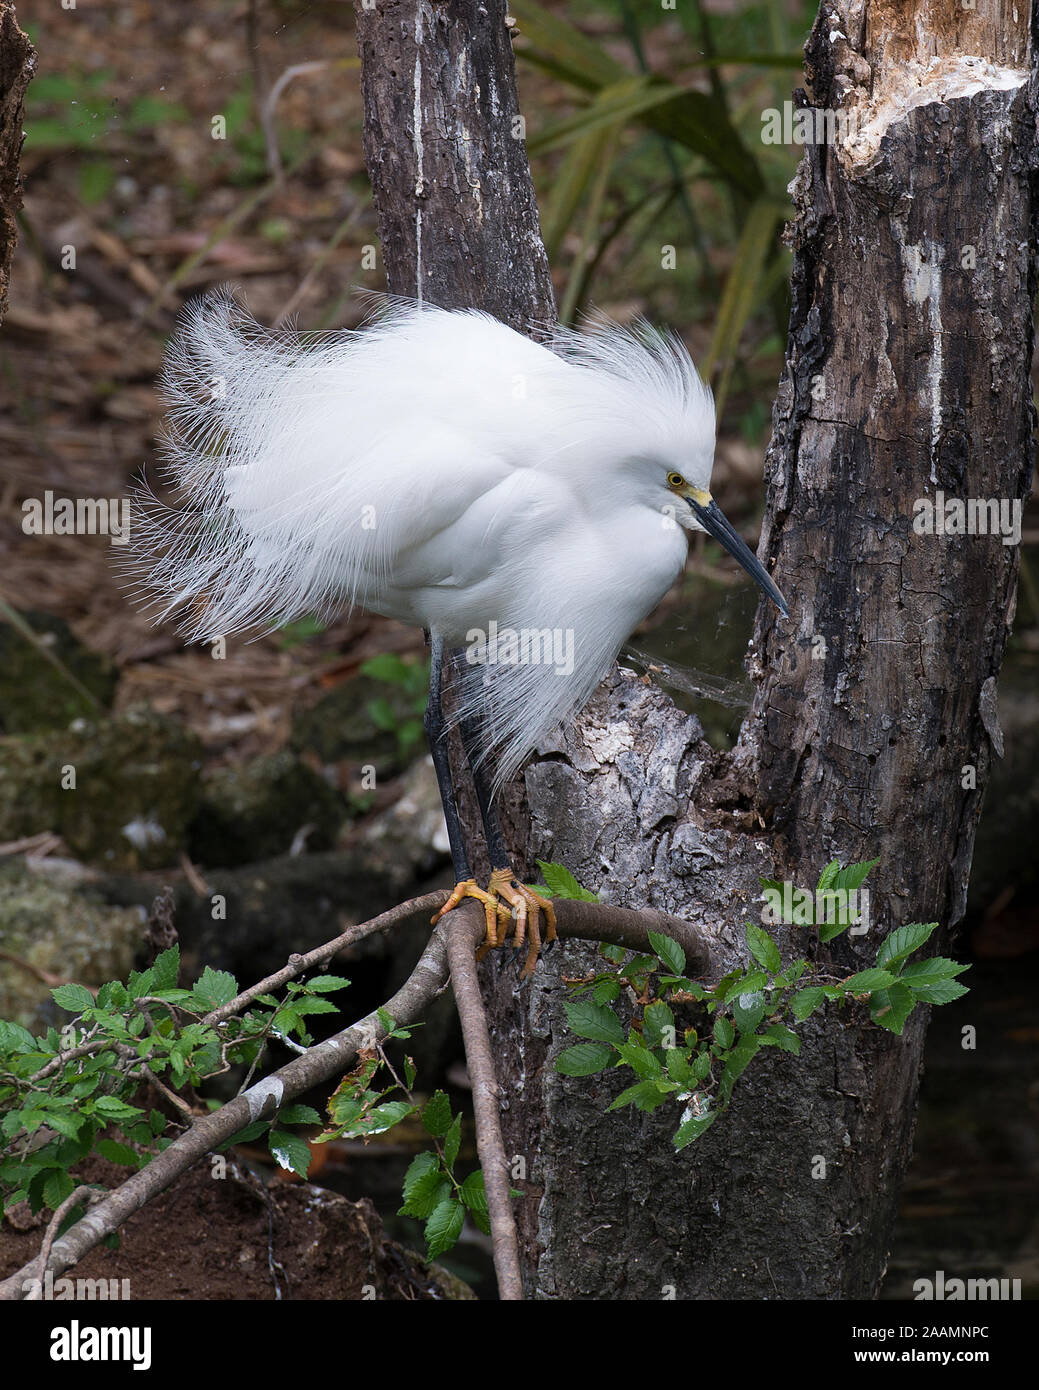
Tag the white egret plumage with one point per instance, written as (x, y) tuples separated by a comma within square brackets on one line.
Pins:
[(526, 503)]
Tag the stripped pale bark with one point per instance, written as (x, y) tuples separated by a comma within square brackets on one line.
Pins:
[(907, 374)]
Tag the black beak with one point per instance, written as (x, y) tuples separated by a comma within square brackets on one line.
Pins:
[(714, 522)]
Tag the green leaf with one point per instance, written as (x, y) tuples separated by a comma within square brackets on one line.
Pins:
[(213, 988), (473, 1193), (806, 1001), (118, 1153), (114, 1109), (646, 1095), (748, 1010), (891, 1007), (693, 1128), (327, 984), (658, 1024), (436, 1117), (444, 1227), (866, 981), (853, 876), (74, 998), (724, 1032), (421, 1184), (15, 1038), (290, 1151), (903, 942), (931, 971), (385, 1116), (668, 951), (679, 1069), (642, 1062), (590, 1020), (763, 948), (56, 1187), (737, 1062), (941, 992), (562, 884), (743, 984), (453, 1142), (584, 1059), (298, 1115), (778, 1035), (828, 876), (167, 968), (606, 991)]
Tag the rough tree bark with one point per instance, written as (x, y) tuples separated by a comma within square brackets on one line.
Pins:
[(17, 65), (907, 374)]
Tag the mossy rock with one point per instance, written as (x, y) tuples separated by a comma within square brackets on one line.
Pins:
[(62, 932), (120, 791), (255, 811), (34, 694)]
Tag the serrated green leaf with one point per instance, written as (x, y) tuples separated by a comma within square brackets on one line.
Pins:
[(55, 1187), (724, 1032), (383, 1117), (645, 1095), (327, 984), (115, 1109), (658, 1024), (118, 1153), (891, 1007), (73, 998), (866, 981), (298, 1115), (290, 1151), (693, 1128), (595, 1021), (213, 988), (778, 1035), (763, 948), (562, 884), (606, 991), (748, 1010), (424, 1187), (584, 1059), (828, 876), (642, 1062), (806, 1001), (453, 1142), (931, 971), (444, 1227), (737, 1062), (167, 968), (436, 1117), (941, 992), (668, 951), (903, 941)]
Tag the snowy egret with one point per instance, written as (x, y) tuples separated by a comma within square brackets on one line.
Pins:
[(526, 503)]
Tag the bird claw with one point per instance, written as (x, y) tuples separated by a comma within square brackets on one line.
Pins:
[(524, 908)]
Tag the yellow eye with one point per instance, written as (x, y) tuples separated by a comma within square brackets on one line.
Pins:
[(675, 480)]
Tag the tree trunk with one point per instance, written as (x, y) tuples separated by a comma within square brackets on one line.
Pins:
[(17, 65), (907, 375)]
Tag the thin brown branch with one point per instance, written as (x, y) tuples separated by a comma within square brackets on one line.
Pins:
[(464, 929), (78, 1194)]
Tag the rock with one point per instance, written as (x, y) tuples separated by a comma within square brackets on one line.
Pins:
[(66, 934), (34, 694), (119, 791)]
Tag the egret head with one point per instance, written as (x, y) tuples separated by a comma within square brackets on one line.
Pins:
[(702, 513)]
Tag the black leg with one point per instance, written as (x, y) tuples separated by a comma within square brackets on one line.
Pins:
[(469, 730), (434, 725)]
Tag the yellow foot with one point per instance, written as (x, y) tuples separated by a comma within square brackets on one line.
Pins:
[(492, 909), (524, 905), (527, 907)]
